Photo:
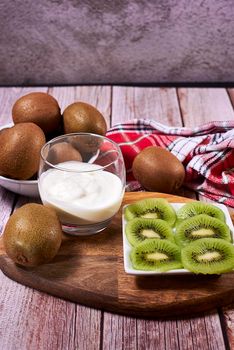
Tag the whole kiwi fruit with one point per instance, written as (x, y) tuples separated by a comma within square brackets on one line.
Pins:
[(20, 150), (158, 170), (32, 235), (39, 108), (82, 117)]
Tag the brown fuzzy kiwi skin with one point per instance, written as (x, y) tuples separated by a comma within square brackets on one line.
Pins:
[(83, 117), (39, 108), (20, 150), (158, 170), (32, 235)]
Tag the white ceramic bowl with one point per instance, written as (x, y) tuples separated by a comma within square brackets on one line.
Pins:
[(23, 187)]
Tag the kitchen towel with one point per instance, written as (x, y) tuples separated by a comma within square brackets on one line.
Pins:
[(206, 151)]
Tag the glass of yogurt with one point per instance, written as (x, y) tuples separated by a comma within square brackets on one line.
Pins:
[(82, 176)]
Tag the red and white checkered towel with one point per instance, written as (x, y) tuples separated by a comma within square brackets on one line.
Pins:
[(207, 153)]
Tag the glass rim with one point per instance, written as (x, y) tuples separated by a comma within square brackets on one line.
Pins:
[(118, 151)]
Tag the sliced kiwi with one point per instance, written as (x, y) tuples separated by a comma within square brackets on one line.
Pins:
[(140, 229), (208, 256), (151, 208), (197, 208), (156, 255), (201, 226)]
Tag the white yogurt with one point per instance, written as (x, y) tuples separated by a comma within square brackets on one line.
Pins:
[(85, 195)]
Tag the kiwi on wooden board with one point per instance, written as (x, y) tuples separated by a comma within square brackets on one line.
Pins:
[(39, 108), (195, 208), (201, 226), (140, 229), (63, 152), (158, 170), (156, 255), (32, 235), (208, 256), (151, 208), (20, 150), (83, 117)]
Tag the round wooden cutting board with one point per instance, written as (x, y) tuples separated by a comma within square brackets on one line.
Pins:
[(90, 271)]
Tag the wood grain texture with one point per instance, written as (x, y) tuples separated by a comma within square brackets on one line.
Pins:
[(231, 95), (204, 333), (184, 334), (159, 104), (119, 332), (44, 322), (199, 106), (6, 203), (89, 270), (228, 313), (26, 323), (83, 328)]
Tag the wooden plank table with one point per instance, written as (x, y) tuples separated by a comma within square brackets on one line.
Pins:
[(33, 320)]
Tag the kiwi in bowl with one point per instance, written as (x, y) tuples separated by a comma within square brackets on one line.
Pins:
[(19, 159)]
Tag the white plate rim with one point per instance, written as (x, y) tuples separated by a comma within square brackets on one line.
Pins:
[(127, 247)]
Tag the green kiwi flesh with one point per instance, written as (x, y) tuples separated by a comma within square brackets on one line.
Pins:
[(156, 255), (151, 208), (140, 229), (201, 226), (208, 256), (197, 208)]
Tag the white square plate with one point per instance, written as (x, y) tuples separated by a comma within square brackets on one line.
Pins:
[(127, 247)]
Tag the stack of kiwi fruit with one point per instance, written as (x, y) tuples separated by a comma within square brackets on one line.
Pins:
[(33, 233), (195, 238), (37, 118)]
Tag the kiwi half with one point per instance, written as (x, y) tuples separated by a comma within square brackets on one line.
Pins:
[(151, 208), (197, 208), (156, 255), (140, 229), (208, 256), (201, 226)]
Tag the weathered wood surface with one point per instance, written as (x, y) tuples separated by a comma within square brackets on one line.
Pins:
[(33, 320), (199, 106), (89, 270)]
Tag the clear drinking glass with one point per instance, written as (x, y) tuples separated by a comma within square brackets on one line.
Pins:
[(82, 176)]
